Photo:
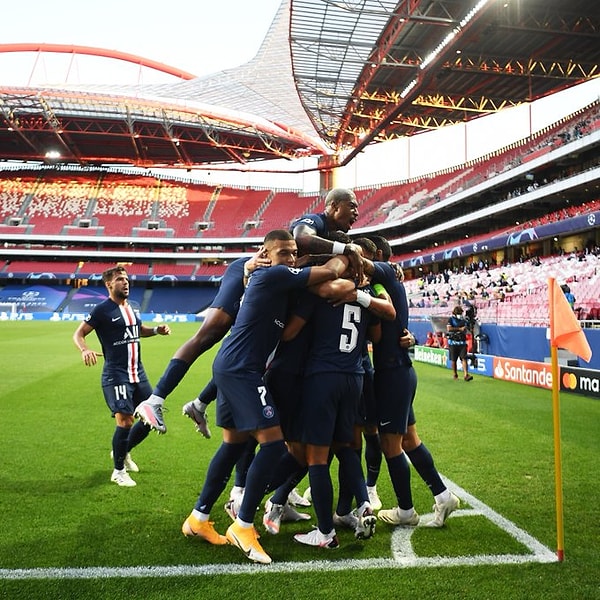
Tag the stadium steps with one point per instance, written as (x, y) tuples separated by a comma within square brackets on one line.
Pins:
[(66, 300), (564, 358), (213, 201), (89, 211), (146, 300)]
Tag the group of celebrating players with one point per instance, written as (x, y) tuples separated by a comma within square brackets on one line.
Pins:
[(293, 378)]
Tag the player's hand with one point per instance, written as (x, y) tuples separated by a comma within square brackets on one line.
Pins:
[(398, 270), (341, 291), (90, 357), (257, 260), (407, 339), (354, 254), (163, 330)]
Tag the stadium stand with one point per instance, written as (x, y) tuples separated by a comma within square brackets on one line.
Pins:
[(180, 299), (282, 208), (389, 203), (198, 202), (89, 268), (170, 269), (125, 207), (21, 268), (136, 206), (233, 211), (511, 294), (211, 270)]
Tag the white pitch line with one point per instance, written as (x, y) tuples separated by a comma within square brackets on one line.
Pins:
[(405, 556), (402, 551)]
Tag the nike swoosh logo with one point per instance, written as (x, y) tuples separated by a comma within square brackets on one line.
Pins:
[(115, 319), (384, 423), (238, 543)]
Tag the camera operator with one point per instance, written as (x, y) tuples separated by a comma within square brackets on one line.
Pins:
[(457, 329)]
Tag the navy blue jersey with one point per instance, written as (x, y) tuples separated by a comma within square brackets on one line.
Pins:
[(318, 222), (290, 356), (457, 338), (260, 320), (387, 353), (118, 329), (339, 335), (232, 288)]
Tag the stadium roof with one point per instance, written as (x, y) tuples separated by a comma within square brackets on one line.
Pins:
[(331, 77)]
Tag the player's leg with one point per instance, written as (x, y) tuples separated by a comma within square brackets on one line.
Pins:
[(319, 402), (395, 389), (196, 408), (421, 459), (216, 324), (219, 470), (119, 399)]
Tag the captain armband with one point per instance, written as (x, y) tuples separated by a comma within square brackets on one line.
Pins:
[(379, 289)]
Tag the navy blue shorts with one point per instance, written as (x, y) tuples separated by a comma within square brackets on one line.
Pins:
[(286, 389), (124, 397), (243, 402), (329, 408), (395, 391)]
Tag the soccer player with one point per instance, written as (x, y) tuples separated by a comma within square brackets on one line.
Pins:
[(284, 378), (395, 389), (124, 381), (285, 375), (311, 230), (217, 322), (330, 398), (373, 454), (244, 405)]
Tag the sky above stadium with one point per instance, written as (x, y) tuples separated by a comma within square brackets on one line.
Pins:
[(197, 36)]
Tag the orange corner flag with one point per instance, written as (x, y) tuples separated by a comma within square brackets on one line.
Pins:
[(565, 331)]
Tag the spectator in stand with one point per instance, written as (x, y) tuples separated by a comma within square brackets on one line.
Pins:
[(568, 295)]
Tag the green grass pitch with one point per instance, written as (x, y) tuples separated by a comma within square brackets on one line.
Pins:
[(59, 510)]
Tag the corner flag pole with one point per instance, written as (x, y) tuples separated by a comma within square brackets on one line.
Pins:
[(560, 534), (558, 491), (565, 332)]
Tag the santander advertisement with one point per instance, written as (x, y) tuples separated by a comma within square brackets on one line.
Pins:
[(523, 371)]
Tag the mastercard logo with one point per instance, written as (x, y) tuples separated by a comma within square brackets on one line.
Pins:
[(569, 381)]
